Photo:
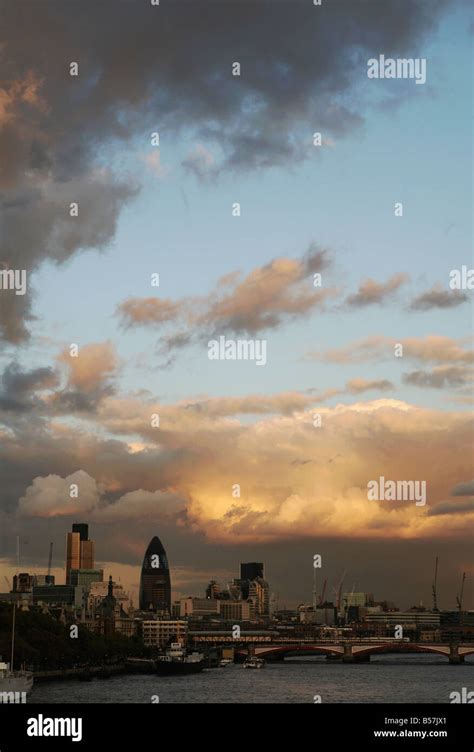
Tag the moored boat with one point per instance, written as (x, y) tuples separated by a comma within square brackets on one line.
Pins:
[(253, 662), (176, 661), (17, 682)]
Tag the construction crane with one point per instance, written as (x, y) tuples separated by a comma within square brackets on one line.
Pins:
[(459, 599), (50, 559), (338, 591), (321, 597), (434, 587), (314, 590)]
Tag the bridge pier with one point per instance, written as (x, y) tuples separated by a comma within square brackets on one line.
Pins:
[(347, 656), (454, 657)]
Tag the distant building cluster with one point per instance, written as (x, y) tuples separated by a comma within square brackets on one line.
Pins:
[(106, 608), (246, 598)]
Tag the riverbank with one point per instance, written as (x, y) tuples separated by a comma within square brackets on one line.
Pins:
[(83, 673)]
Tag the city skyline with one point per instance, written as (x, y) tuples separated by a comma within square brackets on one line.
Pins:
[(332, 583)]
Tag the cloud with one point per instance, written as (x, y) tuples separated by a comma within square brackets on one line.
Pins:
[(50, 496), (357, 386), (464, 489), (92, 366), (438, 298), (440, 377), (147, 311), (201, 163), (57, 129), (153, 162), (35, 224), (283, 403), (89, 379), (466, 506), (79, 387), (192, 461), (17, 393), (371, 292), (429, 349), (141, 504), (266, 298)]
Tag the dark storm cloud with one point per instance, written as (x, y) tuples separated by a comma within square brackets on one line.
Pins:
[(169, 68), (89, 380), (463, 506), (464, 489), (18, 386)]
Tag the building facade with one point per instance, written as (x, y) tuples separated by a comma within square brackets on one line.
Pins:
[(155, 581), (79, 550), (159, 633)]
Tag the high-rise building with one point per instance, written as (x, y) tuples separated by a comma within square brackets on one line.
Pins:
[(82, 528), (79, 550), (155, 582), (251, 570), (259, 594), (253, 586), (85, 577), (213, 590), (73, 553)]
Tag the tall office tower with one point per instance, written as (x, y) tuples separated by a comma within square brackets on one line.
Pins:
[(87, 554), (259, 594), (73, 554), (82, 528), (79, 549), (155, 582), (251, 570)]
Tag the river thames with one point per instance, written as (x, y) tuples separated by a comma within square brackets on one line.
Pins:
[(388, 678)]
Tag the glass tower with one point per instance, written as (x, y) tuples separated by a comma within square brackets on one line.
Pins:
[(155, 583)]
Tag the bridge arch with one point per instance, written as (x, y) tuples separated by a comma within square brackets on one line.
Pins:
[(356, 650)]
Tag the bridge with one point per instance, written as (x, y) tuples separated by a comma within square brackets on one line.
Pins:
[(273, 647), (350, 652)]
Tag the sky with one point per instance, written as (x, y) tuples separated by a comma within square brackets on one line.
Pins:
[(267, 463)]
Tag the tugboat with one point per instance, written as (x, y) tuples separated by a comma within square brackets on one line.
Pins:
[(176, 661), (14, 685)]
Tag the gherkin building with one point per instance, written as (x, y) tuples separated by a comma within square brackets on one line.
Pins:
[(155, 582)]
